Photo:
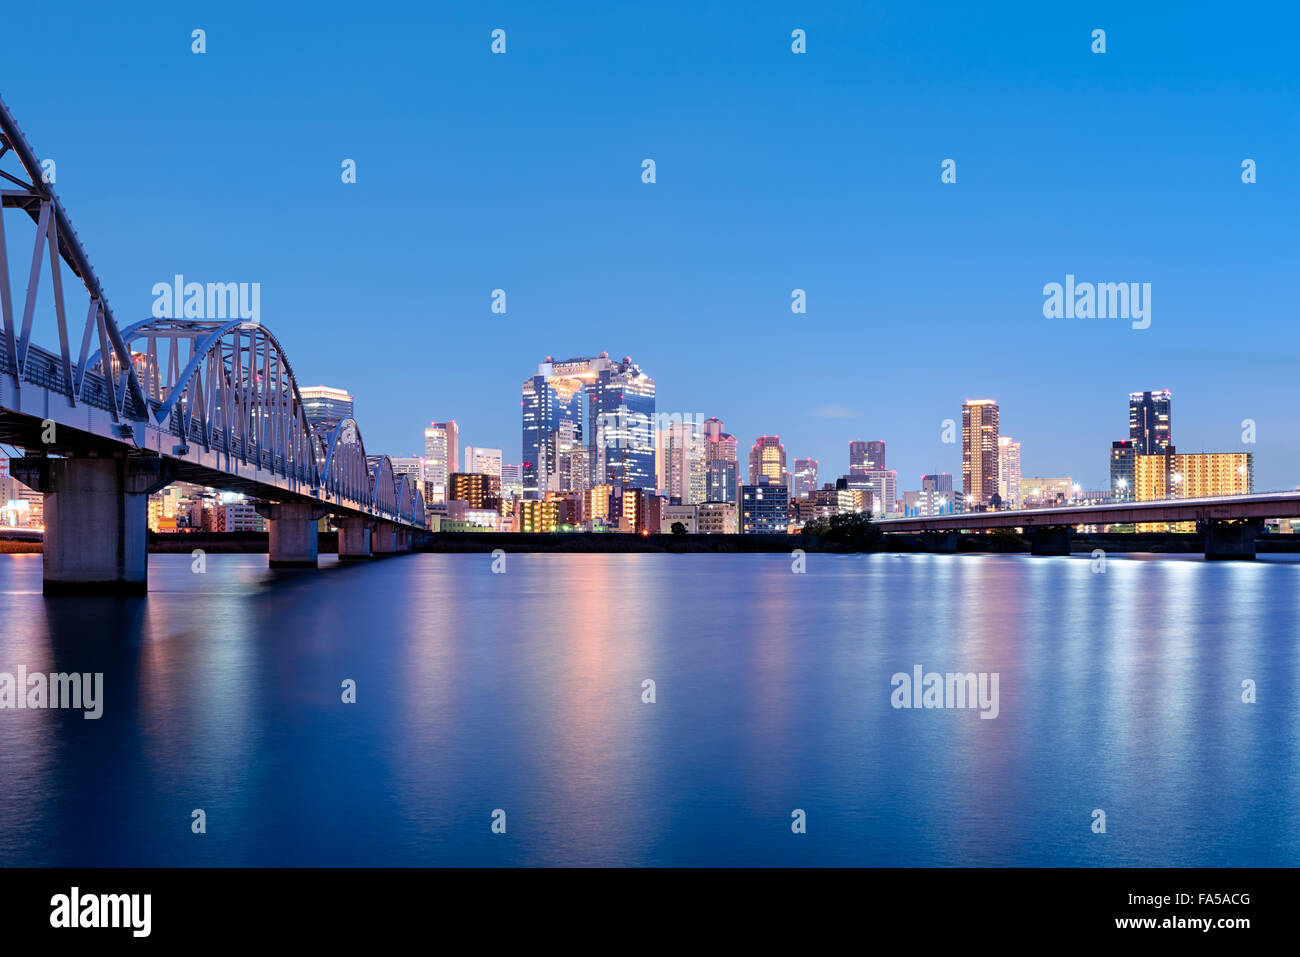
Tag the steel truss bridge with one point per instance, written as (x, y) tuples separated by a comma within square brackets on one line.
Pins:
[(113, 414), (1230, 523)]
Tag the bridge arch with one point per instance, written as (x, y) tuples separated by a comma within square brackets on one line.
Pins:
[(227, 385), (383, 486), (344, 469)]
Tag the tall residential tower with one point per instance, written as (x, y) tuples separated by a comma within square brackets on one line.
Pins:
[(979, 452)]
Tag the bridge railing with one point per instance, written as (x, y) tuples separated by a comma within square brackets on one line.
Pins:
[(45, 369)]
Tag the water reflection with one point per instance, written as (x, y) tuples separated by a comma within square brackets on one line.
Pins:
[(523, 691)]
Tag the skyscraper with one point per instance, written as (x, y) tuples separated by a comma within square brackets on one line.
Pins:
[(866, 455), (767, 458), (621, 413), (805, 478), (324, 407), (592, 416), (1009, 471), (1149, 426), (441, 458), (720, 462), (979, 451), (553, 408)]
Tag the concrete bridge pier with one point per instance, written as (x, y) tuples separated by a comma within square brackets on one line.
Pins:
[(1226, 541), (96, 520), (403, 539), (1049, 540), (383, 541), (292, 527), (943, 541), (354, 538)]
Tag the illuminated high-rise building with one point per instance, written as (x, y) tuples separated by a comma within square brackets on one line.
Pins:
[(1009, 471), (621, 413), (481, 460), (767, 460), (1149, 427), (979, 451), (805, 478), (866, 455), (720, 463), (595, 406), (553, 408), (441, 458), (325, 407), (1192, 475)]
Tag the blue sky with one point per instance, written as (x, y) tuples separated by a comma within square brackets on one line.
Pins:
[(775, 171)]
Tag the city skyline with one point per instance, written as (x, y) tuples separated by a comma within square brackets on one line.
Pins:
[(1002, 475), (845, 202)]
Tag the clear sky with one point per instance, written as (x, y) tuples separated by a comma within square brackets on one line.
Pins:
[(775, 171)]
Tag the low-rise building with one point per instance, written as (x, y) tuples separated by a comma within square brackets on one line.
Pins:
[(672, 514), (717, 518)]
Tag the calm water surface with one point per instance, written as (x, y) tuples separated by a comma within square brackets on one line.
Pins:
[(522, 691)]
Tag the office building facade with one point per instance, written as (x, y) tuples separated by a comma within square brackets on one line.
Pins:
[(866, 455), (804, 479), (481, 460), (764, 509), (1123, 478), (720, 463), (441, 458)]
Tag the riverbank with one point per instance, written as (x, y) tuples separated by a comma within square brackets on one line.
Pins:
[(253, 543)]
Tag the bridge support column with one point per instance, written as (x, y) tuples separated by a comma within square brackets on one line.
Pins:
[(944, 541), (292, 527), (96, 521), (403, 539), (383, 541), (354, 538), (1049, 540), (1226, 541)]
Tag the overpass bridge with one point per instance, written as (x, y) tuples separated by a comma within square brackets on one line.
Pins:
[(113, 414), (1230, 523)]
